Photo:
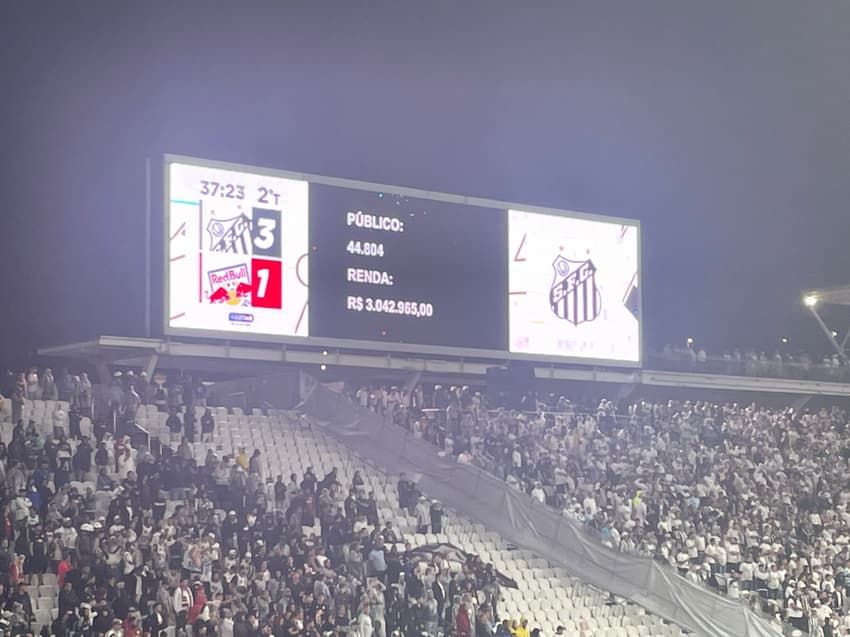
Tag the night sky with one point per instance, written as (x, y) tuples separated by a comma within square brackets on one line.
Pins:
[(723, 126)]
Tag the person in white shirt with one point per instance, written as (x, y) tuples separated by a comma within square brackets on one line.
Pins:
[(774, 582), (747, 574), (760, 574), (734, 591), (720, 558), (538, 494), (733, 554), (711, 554), (589, 506), (116, 630), (226, 625), (364, 622), (183, 601)]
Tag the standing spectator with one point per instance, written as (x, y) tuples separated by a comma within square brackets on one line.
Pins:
[(65, 385), (142, 387), (175, 425), (33, 385), (82, 459), (423, 515), (207, 426), (49, 391), (18, 396), (183, 602), (132, 402), (160, 398), (463, 627), (377, 560), (16, 571), (405, 488), (436, 512), (84, 397), (189, 424)]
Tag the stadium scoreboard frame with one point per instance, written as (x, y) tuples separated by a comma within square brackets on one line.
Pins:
[(267, 255)]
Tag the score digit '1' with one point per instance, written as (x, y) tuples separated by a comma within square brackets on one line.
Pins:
[(268, 196)]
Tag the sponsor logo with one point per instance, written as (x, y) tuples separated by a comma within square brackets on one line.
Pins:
[(230, 285), (240, 317), (573, 295)]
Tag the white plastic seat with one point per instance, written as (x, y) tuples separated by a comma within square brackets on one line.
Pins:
[(47, 590), (42, 617)]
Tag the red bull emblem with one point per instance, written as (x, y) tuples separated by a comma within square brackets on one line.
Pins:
[(231, 285)]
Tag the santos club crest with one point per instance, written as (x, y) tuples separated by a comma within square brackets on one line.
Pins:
[(230, 235), (574, 296)]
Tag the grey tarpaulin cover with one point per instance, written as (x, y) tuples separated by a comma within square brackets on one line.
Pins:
[(486, 499)]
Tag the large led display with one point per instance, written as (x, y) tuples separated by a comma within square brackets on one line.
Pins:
[(237, 249), (573, 287), (259, 254)]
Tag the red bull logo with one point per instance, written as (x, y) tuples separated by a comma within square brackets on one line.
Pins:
[(230, 285)]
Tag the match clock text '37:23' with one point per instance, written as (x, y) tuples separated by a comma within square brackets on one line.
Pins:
[(265, 195)]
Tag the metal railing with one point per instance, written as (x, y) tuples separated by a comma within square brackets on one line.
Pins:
[(684, 362)]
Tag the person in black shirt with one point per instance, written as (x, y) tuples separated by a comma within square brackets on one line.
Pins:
[(189, 424), (394, 565), (82, 459), (207, 426), (22, 597), (101, 457), (350, 506), (68, 598), (405, 489), (308, 484), (156, 622), (369, 508), (436, 512), (103, 621), (174, 424)]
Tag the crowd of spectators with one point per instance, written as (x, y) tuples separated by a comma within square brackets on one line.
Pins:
[(750, 362), (750, 501), (145, 545)]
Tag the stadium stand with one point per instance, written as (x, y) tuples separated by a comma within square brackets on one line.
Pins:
[(746, 500), (201, 541)]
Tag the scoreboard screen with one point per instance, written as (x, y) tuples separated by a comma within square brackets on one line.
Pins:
[(260, 254)]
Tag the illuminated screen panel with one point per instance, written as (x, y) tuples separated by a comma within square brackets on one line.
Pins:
[(237, 246), (392, 268), (573, 287)]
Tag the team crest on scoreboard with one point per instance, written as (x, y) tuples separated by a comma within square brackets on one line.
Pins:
[(574, 296), (230, 285), (230, 235)]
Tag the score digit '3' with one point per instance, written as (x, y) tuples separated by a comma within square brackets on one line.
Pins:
[(266, 275)]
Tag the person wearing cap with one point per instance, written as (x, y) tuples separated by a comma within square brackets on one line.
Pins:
[(116, 630)]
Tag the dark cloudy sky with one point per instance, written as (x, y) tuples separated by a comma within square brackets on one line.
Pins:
[(723, 126)]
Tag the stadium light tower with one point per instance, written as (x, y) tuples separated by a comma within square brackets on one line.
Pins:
[(812, 299)]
